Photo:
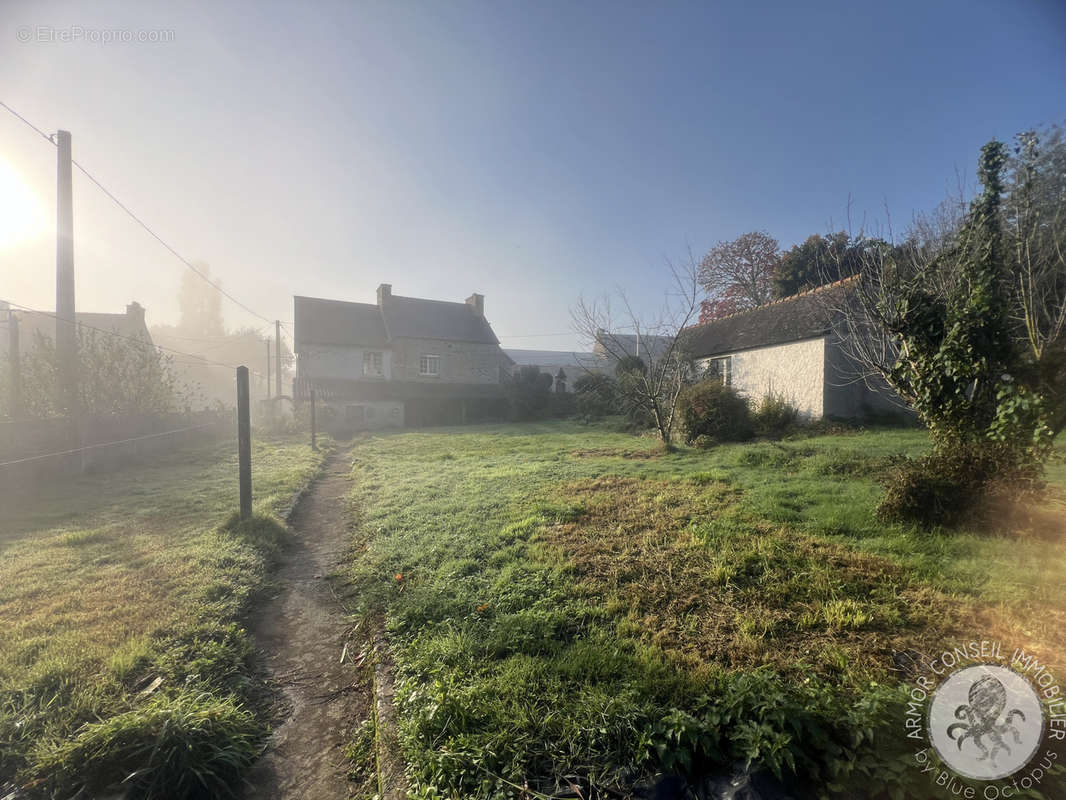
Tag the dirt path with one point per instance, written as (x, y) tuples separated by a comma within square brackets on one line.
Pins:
[(302, 633)]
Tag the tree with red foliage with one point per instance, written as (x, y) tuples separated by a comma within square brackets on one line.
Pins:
[(738, 275)]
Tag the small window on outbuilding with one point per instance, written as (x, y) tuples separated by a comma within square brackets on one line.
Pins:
[(720, 369)]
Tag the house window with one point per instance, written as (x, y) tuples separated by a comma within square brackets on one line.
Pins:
[(720, 368), (373, 364), (429, 365)]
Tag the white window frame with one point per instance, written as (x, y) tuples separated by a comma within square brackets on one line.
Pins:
[(373, 363), (425, 363), (723, 365)]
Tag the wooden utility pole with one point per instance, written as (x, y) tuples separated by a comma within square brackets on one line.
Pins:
[(15, 397), (268, 368), (244, 443), (314, 432), (277, 357), (66, 330)]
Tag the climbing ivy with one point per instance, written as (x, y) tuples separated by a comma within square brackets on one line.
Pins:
[(962, 362)]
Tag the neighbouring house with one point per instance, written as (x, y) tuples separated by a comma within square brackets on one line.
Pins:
[(610, 348), (792, 348), (34, 324), (402, 361), (564, 367)]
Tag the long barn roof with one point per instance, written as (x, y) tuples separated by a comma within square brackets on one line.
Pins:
[(791, 319)]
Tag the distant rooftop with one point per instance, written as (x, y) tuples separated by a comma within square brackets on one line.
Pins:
[(130, 325), (557, 358)]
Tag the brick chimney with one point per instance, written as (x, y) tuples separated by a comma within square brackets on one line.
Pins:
[(384, 292), (135, 311), (477, 302)]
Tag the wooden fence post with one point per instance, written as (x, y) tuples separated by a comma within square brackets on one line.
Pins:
[(15, 376), (244, 443), (314, 443)]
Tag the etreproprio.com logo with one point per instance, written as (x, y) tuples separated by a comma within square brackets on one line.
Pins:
[(984, 716)]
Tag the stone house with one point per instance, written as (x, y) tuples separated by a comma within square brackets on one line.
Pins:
[(792, 348), (403, 361), (34, 324)]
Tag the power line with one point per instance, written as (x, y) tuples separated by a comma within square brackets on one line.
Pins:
[(141, 222), (160, 239), (224, 339), (34, 127)]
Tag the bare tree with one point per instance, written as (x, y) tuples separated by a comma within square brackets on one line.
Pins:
[(655, 365), (738, 275)]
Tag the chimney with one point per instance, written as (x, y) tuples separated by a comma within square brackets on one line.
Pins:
[(384, 292), (477, 302), (135, 311)]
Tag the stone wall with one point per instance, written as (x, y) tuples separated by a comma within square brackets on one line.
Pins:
[(460, 362), (340, 361), (348, 416)]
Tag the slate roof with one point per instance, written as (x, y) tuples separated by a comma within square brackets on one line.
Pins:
[(336, 322), (791, 319), (553, 358), (414, 318), (318, 321)]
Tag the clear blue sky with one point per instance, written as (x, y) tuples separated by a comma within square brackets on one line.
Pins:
[(530, 151)]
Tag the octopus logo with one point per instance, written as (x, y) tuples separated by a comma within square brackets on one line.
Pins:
[(986, 722)]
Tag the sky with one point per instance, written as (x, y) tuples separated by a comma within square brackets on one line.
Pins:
[(534, 152)]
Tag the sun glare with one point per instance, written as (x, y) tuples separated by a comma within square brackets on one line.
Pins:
[(21, 215)]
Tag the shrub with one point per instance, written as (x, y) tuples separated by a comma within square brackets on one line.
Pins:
[(630, 365), (562, 404), (774, 416), (596, 395), (957, 483), (713, 412), (185, 745), (530, 391)]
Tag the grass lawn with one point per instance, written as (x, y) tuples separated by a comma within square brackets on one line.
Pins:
[(570, 605), (114, 583)]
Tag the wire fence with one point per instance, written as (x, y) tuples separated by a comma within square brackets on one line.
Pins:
[(128, 440)]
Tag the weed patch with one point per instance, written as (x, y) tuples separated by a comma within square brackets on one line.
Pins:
[(743, 594)]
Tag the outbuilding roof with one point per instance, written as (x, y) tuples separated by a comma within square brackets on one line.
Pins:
[(791, 319)]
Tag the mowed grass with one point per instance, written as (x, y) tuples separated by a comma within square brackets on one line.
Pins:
[(571, 605), (115, 583)]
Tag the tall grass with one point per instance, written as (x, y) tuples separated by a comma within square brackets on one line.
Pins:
[(119, 583)]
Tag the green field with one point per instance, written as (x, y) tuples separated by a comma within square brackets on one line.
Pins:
[(111, 581), (571, 605)]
